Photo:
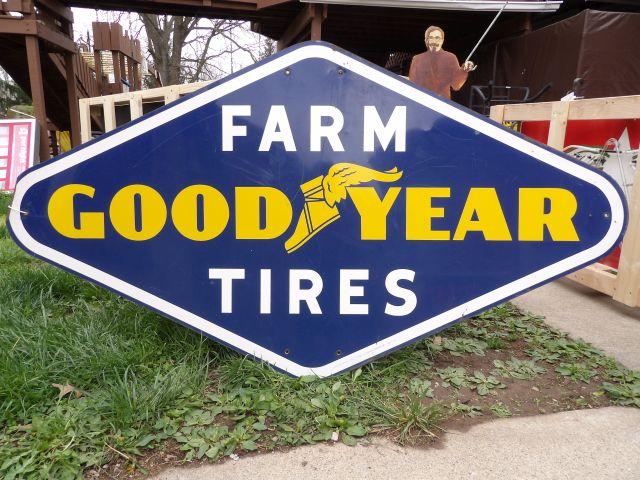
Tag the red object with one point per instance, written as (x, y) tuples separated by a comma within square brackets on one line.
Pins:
[(17, 141), (592, 133)]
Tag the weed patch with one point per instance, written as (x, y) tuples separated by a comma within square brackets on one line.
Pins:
[(576, 371), (516, 368)]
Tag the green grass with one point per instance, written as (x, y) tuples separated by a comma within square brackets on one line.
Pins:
[(129, 380), (5, 201)]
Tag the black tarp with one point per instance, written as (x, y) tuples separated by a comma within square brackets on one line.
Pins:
[(603, 48)]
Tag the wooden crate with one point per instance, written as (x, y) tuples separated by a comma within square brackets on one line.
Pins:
[(624, 284), (132, 101)]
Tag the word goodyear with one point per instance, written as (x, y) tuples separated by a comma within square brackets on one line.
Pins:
[(201, 213)]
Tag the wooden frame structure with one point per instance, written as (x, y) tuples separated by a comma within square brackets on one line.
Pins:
[(133, 104), (622, 284)]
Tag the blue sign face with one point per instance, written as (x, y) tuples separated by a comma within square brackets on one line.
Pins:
[(316, 211)]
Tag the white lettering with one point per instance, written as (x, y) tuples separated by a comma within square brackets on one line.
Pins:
[(229, 129), (277, 129), (395, 128), (310, 295), (226, 276), (265, 290), (330, 132), (409, 297), (348, 291)]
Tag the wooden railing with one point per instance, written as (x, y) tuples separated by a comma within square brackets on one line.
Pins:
[(132, 102)]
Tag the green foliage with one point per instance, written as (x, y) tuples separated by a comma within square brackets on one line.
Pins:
[(623, 394), (516, 368), (10, 94), (616, 372), (5, 201), (4, 232), (576, 371), (420, 388), (500, 410), (542, 355), (466, 410), (485, 385), (461, 346), (571, 349), (626, 389), (410, 417), (494, 342), (454, 376)]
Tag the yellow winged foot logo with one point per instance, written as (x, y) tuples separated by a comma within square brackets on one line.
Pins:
[(323, 193)]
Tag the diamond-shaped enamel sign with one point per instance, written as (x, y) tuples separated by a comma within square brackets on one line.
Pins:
[(316, 211)]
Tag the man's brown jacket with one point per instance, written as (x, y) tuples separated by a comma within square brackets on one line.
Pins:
[(437, 71)]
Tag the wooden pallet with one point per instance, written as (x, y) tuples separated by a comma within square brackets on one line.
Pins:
[(133, 101), (622, 284)]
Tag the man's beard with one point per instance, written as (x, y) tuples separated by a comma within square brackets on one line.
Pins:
[(433, 48)]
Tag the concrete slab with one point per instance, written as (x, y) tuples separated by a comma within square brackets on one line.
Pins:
[(594, 444), (589, 315)]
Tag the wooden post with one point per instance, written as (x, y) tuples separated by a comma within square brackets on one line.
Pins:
[(627, 290), (72, 94), (316, 22), (558, 125), (117, 74), (497, 114), (135, 105), (97, 61), (85, 119), (172, 94), (37, 93), (311, 14), (109, 111)]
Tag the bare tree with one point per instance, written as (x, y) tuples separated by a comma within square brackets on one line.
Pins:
[(186, 49)]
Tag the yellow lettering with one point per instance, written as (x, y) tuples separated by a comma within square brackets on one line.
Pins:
[(215, 212), (278, 213), (532, 218), (483, 203), (420, 212), (61, 213), (122, 212), (373, 211)]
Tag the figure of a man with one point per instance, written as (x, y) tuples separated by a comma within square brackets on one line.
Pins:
[(437, 69)]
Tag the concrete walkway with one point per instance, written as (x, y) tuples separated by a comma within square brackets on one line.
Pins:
[(589, 315), (594, 444)]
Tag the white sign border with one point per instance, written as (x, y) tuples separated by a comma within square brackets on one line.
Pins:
[(290, 57)]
